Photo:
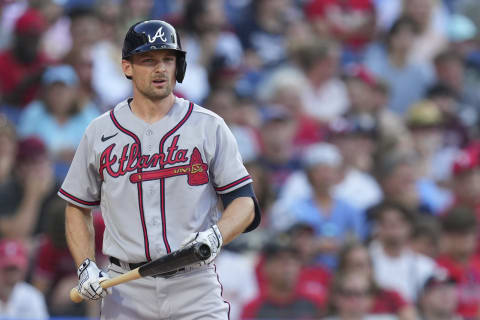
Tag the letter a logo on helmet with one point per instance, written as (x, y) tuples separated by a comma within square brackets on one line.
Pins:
[(152, 35), (158, 34)]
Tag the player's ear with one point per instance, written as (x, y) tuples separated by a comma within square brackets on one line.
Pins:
[(127, 68)]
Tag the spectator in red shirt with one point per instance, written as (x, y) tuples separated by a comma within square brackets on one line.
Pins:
[(459, 227), (279, 297), (466, 178), (54, 273), (354, 257), (466, 181), (351, 21), (352, 296), (22, 65), (314, 279)]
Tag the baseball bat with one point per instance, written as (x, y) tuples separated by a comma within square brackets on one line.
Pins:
[(170, 262)]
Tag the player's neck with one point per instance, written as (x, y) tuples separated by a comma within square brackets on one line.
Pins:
[(151, 110)]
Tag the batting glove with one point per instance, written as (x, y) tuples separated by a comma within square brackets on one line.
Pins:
[(90, 277), (211, 237)]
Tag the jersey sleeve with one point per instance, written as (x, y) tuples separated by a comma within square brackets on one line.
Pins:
[(227, 169), (82, 185)]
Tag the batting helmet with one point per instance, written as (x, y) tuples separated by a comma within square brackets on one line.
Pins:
[(151, 35)]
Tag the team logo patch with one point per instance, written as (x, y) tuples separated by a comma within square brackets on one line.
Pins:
[(159, 34), (131, 160), (196, 172)]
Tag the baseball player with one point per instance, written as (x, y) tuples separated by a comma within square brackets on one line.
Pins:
[(156, 165)]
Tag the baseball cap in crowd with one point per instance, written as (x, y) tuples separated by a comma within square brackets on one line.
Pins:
[(280, 243), (62, 73), (361, 73), (31, 22), (321, 154), (273, 113), (30, 149), (440, 277), (364, 124), (13, 254), (424, 114), (466, 160)]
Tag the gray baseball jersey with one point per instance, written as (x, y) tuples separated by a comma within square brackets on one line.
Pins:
[(155, 183)]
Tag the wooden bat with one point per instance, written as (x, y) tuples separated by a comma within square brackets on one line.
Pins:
[(170, 262)]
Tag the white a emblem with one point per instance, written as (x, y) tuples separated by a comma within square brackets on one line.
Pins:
[(159, 34)]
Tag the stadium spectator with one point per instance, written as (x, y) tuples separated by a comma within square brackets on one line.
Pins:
[(450, 71), (263, 31), (278, 298), (466, 178), (354, 257), (398, 175), (18, 299), (210, 45), (458, 121), (407, 81), (108, 81), (57, 117), (355, 137), (459, 234), (439, 298), (352, 22), (391, 254), (26, 184), (223, 102), (284, 87), (54, 272), (425, 123), (314, 278), (426, 236), (325, 96), (431, 35), (278, 151), (84, 30), (333, 219), (22, 65), (352, 298)]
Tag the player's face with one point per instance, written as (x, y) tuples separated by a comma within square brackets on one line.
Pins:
[(152, 73)]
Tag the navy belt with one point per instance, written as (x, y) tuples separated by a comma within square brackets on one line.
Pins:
[(132, 266)]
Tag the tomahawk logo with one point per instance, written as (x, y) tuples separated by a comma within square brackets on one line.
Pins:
[(159, 34)]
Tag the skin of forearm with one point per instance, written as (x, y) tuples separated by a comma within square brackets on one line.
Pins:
[(236, 218), (79, 233), (22, 222)]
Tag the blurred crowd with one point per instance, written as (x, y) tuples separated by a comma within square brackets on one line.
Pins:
[(359, 121)]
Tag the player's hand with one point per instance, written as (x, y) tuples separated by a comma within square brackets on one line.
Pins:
[(90, 277), (211, 237)]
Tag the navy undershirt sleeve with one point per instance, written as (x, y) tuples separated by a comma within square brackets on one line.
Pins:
[(245, 191)]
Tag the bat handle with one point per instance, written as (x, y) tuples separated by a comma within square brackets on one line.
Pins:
[(76, 297)]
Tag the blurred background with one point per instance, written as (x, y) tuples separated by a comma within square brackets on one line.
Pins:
[(357, 119)]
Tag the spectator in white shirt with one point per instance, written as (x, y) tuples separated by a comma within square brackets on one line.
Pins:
[(396, 266), (18, 299)]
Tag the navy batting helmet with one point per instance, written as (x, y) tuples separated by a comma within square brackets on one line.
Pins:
[(154, 35)]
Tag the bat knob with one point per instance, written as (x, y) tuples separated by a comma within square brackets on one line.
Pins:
[(75, 296), (204, 251)]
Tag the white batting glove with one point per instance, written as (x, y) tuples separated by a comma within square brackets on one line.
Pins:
[(211, 237), (90, 277)]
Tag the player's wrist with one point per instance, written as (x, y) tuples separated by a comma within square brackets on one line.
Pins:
[(83, 266), (218, 235)]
